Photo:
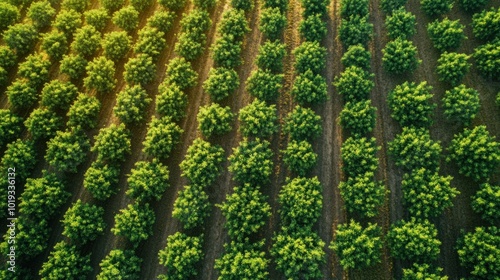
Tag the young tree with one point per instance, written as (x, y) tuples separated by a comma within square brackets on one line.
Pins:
[(400, 57), (10, 126), (140, 70), (446, 35), (112, 5), (58, 95), (414, 148), (35, 69), (8, 57), (426, 193), (486, 24), (258, 119), (411, 105), (73, 66), (233, 22), (9, 14), (83, 222), (204, 4), (299, 157), (226, 51), (162, 135), (303, 124), (150, 41), (357, 55), (68, 21), (350, 8), (76, 5), (203, 163), (414, 240), (22, 94), (363, 195), (359, 156), (245, 5), (357, 247), (452, 67), (84, 112), (162, 20), (20, 154), (116, 45), (181, 256), (436, 7), (100, 75), (311, 7), (67, 150), (476, 153), (141, 5), (246, 211), (221, 82), (310, 56), (423, 271), (461, 104), (127, 18), (401, 23), (197, 21), (171, 101), (134, 223), (389, 6), (355, 30), (180, 72), (251, 162), (486, 202), (41, 13), (175, 5), (97, 18), (309, 88), (43, 123), (270, 56), (32, 236), (358, 117), (472, 5), (147, 180), (21, 37), (55, 44), (488, 60), (301, 201), (264, 85), (191, 207), (354, 84), (101, 180), (272, 23), (214, 120), (120, 264), (190, 45), (87, 40), (112, 144), (243, 261), (131, 104), (66, 262), (478, 250)]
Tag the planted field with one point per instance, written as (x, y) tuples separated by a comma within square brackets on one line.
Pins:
[(241, 139)]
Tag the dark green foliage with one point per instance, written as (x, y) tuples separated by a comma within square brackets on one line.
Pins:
[(233, 23), (84, 112), (461, 104), (423, 271), (359, 156), (272, 23), (245, 5), (214, 119), (181, 256), (9, 14), (112, 144), (131, 104), (32, 237), (112, 5), (100, 75), (478, 251), (66, 262), (77, 5), (35, 69), (83, 222), (301, 202), (357, 247), (180, 72), (313, 28), (436, 7), (355, 30), (226, 51), (67, 150), (43, 123), (58, 95), (270, 56), (303, 124), (73, 66), (486, 25), (101, 180), (414, 240), (472, 5), (299, 255), (487, 202), (258, 119), (362, 194), (127, 18), (246, 211), (350, 8), (203, 4), (414, 148), (67, 21), (401, 24), (446, 34), (221, 82), (312, 7), (171, 101), (310, 56), (354, 84), (21, 94), (173, 4), (388, 6), (134, 223), (140, 70), (150, 41), (20, 154), (197, 22), (243, 261), (190, 45), (452, 67), (299, 157), (191, 206), (97, 18), (411, 105), (116, 45), (148, 180), (21, 37), (87, 40), (41, 13), (203, 163), (161, 20), (10, 126), (400, 57), (120, 264), (8, 57), (55, 44), (264, 85), (358, 117), (488, 60), (357, 55), (426, 193), (141, 5), (251, 162), (162, 135), (309, 88), (476, 153), (4, 76)]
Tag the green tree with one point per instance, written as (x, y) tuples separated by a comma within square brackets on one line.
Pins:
[(472, 5), (234, 23), (100, 75), (355, 30), (258, 119), (43, 123), (171, 101), (426, 193), (411, 105), (243, 261), (101, 180), (388, 6), (413, 148), (478, 250), (214, 120), (32, 237), (84, 111), (76, 5), (58, 95), (112, 144), (476, 153), (401, 23), (246, 211), (354, 84), (363, 195), (22, 94), (120, 264), (150, 41), (486, 24), (203, 163), (191, 206), (359, 156), (461, 104), (21, 37), (251, 162), (148, 180), (452, 67), (66, 262), (116, 44), (127, 18), (83, 222), (73, 66), (309, 88), (55, 44), (97, 18), (299, 157), (180, 72), (446, 34), (400, 57), (488, 60), (131, 104), (162, 20), (9, 14), (303, 124), (181, 256), (358, 117), (423, 271), (270, 56), (68, 21), (436, 7), (87, 40), (357, 55), (8, 57), (309, 56), (353, 7), (301, 201), (35, 69), (161, 137), (486, 202), (141, 5), (140, 70), (264, 85), (41, 13), (134, 223), (112, 5), (272, 23), (67, 150), (311, 7), (20, 154), (226, 51), (221, 82), (10, 126), (190, 45), (245, 5), (173, 4), (357, 247)]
